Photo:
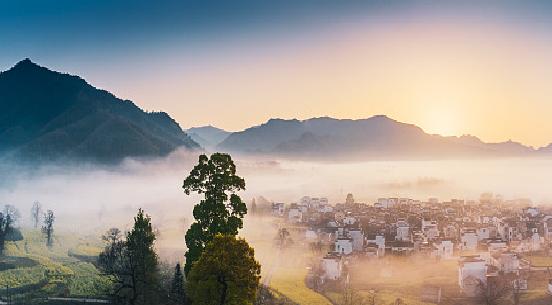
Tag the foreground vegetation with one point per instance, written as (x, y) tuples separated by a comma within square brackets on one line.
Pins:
[(32, 270)]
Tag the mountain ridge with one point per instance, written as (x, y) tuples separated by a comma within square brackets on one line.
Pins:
[(208, 136), (50, 115), (371, 137)]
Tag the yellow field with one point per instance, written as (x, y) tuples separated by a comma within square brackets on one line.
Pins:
[(284, 270), (540, 261), (291, 283)]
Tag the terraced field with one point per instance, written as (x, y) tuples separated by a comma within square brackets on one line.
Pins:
[(31, 270)]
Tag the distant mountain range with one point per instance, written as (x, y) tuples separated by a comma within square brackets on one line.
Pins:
[(208, 136), (378, 137), (46, 115)]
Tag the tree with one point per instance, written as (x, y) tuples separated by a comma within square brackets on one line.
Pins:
[(8, 218), (253, 207), (350, 200), (178, 294), (350, 296), (496, 288), (112, 236), (266, 296), (48, 227), (132, 264), (36, 211), (225, 274), (283, 238), (221, 210)]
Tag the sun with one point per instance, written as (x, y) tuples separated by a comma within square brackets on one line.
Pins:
[(442, 120)]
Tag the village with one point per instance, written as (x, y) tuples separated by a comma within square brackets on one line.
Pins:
[(497, 245)]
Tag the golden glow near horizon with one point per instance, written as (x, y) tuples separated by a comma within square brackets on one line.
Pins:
[(490, 80)]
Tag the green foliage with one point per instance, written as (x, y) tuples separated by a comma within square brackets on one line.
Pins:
[(132, 264), (48, 115), (48, 228), (14, 235), (225, 274), (8, 217), (177, 286), (32, 270), (221, 210)]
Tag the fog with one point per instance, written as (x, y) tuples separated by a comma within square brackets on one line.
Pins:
[(92, 199)]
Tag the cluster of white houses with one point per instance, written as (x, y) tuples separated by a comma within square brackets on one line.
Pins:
[(487, 237)]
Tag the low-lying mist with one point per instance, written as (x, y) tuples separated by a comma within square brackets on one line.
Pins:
[(93, 198)]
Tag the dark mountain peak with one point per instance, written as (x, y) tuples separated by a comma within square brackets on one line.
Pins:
[(26, 61), (382, 117), (25, 65), (27, 74), (49, 115)]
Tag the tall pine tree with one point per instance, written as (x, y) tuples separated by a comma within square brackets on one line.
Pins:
[(178, 294), (221, 210), (132, 263)]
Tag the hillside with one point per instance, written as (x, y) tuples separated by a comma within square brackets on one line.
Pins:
[(47, 115), (374, 137), (208, 136)]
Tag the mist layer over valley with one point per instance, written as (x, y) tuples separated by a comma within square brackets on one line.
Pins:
[(93, 198)]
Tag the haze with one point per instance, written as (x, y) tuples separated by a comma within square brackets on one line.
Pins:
[(94, 198), (471, 68)]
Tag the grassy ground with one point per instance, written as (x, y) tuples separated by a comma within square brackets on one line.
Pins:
[(539, 260), (35, 270), (291, 282), (285, 269), (405, 278)]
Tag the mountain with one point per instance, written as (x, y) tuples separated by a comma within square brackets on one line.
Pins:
[(375, 137), (546, 149), (46, 115), (208, 136)]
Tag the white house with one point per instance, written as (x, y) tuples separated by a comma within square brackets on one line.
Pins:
[(349, 220), (325, 209), (485, 232), (472, 272), (430, 229), (533, 212), (468, 240), (332, 267), (443, 249), (507, 262), (535, 240), (344, 245), (358, 239), (403, 230), (294, 214), (314, 203), (278, 209), (496, 245), (386, 203), (379, 242)]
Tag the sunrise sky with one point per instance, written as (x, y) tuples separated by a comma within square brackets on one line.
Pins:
[(451, 69)]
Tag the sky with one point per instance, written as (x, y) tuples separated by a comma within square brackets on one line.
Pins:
[(480, 67)]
